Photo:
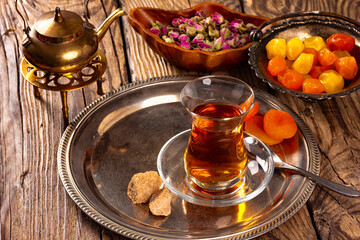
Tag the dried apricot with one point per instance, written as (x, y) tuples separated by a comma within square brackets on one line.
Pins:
[(279, 124), (253, 111), (291, 145), (255, 127)]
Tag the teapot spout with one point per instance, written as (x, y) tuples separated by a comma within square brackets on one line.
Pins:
[(108, 21)]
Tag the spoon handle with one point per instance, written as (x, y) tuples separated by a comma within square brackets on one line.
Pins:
[(324, 182)]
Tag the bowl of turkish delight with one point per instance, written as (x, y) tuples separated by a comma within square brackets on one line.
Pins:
[(312, 55)]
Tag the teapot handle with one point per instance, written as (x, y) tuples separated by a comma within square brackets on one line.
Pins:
[(86, 11), (26, 28)]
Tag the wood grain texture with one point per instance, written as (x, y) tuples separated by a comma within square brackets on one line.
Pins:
[(336, 130), (33, 202)]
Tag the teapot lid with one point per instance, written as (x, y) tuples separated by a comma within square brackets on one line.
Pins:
[(58, 26)]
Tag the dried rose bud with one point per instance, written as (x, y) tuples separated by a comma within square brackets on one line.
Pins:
[(209, 22), (190, 22), (225, 24), (154, 30), (225, 33), (225, 46), (213, 32), (200, 13), (234, 41), (174, 35), (198, 38), (218, 43), (244, 38), (250, 27), (185, 45), (217, 18), (168, 39), (175, 22), (208, 42), (156, 24), (238, 24), (182, 27), (171, 28), (183, 38), (191, 31), (197, 19), (200, 28), (204, 47), (183, 20)]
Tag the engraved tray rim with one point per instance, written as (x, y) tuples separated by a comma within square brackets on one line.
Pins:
[(82, 202)]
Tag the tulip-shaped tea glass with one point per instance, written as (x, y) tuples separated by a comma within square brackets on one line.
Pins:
[(216, 158), (214, 163)]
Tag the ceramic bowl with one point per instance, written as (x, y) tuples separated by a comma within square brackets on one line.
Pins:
[(303, 25), (192, 60)]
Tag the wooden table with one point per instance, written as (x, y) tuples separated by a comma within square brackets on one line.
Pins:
[(33, 201)]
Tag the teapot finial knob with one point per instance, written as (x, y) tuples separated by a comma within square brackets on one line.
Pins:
[(58, 17)]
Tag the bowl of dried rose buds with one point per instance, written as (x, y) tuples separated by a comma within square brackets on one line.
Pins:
[(207, 37)]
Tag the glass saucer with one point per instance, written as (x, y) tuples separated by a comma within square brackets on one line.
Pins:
[(170, 165)]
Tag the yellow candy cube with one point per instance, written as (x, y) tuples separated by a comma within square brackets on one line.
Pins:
[(332, 81), (293, 48), (276, 47), (315, 42), (303, 63)]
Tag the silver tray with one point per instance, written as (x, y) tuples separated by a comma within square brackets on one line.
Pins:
[(121, 133)]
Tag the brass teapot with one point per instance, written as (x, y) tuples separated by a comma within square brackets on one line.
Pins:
[(61, 41), (61, 52)]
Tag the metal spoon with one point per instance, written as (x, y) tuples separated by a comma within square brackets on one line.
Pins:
[(322, 181)]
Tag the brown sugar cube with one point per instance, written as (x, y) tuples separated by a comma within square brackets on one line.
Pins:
[(143, 185), (160, 203)]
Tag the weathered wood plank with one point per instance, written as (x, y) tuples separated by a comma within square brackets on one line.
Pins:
[(11, 123), (112, 44), (297, 227), (335, 129), (34, 204), (144, 62)]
